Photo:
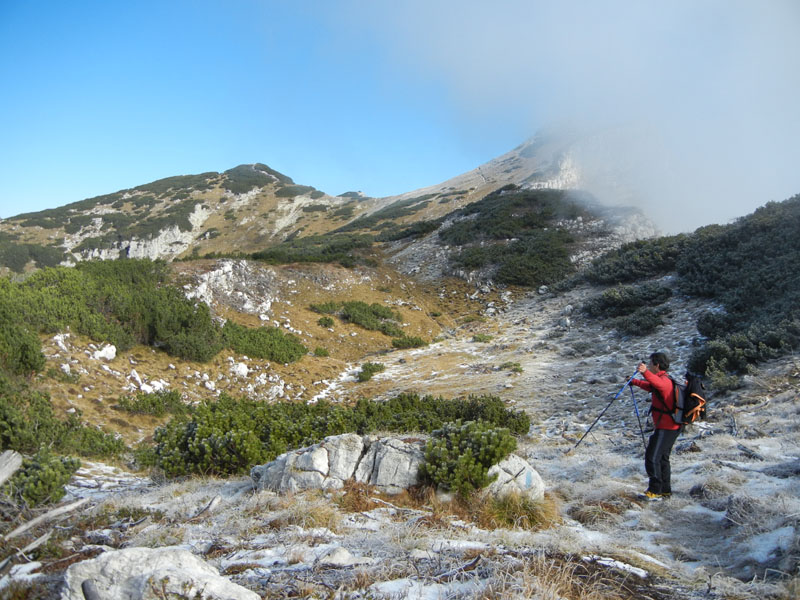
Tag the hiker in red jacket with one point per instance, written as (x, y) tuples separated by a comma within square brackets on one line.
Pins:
[(656, 457)]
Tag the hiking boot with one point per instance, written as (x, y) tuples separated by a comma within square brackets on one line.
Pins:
[(651, 496), (666, 495)]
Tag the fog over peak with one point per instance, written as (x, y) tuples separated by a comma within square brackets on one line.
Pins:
[(696, 99)]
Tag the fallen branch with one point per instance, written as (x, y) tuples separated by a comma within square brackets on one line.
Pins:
[(9, 561), (453, 573), (56, 512), (749, 452), (207, 510), (730, 465)]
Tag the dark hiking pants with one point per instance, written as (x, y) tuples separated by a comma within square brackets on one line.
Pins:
[(656, 460)]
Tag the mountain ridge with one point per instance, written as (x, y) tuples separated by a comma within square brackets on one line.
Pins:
[(252, 207)]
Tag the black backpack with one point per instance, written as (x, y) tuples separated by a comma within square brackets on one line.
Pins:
[(691, 403)]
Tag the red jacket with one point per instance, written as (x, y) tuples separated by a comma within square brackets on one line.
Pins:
[(662, 387)]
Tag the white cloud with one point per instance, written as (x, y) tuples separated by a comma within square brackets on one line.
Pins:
[(710, 86)]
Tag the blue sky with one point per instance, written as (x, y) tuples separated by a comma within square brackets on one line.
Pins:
[(387, 97)]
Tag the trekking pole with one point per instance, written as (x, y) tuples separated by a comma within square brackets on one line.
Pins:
[(602, 413), (636, 409)]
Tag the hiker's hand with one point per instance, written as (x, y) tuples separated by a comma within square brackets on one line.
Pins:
[(641, 368)]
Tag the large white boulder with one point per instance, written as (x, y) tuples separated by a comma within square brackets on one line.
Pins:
[(390, 464), (151, 573)]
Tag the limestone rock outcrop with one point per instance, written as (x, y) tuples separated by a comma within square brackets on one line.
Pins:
[(390, 464), (145, 573)]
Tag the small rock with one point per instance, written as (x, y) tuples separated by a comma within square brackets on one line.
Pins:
[(107, 352)]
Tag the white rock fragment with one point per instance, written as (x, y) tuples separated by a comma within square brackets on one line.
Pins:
[(240, 370), (61, 341), (107, 352)]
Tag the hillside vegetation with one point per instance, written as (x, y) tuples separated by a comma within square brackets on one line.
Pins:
[(122, 302), (749, 267)]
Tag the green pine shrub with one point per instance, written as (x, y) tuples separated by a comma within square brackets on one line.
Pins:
[(373, 317), (28, 423), (41, 479), (321, 352), (626, 299), (415, 230), (388, 215), (245, 178), (368, 369), (404, 342), (326, 322), (459, 456), (16, 256), (269, 343), (332, 248), (157, 404), (517, 235), (642, 321), (290, 191), (20, 349), (638, 260), (122, 302), (228, 435)]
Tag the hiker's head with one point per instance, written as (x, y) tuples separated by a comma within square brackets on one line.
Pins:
[(659, 360)]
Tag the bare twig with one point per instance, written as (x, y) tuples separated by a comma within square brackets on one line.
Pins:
[(453, 573), (749, 452), (208, 509), (56, 512), (8, 562), (731, 465)]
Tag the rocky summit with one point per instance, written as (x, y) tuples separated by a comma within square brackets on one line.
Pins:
[(493, 292)]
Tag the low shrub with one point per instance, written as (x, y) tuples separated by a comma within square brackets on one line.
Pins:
[(41, 479), (369, 369), (396, 210), (228, 435), (638, 260), (626, 299), (482, 338), (28, 423), (269, 343), (290, 191), (373, 317), (321, 352), (459, 455), (334, 248), (157, 404), (415, 230), (326, 322), (643, 321), (20, 349), (16, 256), (245, 178), (405, 342)]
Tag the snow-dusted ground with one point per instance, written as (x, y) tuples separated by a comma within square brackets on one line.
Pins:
[(729, 531)]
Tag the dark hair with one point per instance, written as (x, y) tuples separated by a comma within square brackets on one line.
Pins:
[(660, 359)]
